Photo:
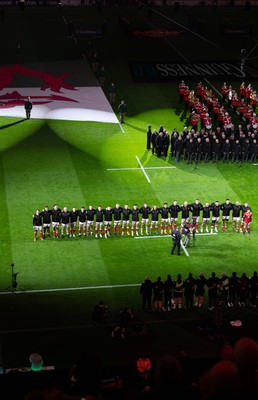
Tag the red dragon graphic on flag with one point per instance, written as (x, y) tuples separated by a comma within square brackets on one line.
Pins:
[(61, 100)]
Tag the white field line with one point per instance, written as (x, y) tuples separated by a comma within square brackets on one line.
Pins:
[(140, 167), (69, 289), (122, 129), (184, 248), (143, 170), (122, 169), (137, 168), (171, 167), (169, 236)]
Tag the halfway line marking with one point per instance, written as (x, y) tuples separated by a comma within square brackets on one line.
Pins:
[(126, 169), (143, 170)]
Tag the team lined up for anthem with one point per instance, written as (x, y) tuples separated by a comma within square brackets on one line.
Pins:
[(144, 220)]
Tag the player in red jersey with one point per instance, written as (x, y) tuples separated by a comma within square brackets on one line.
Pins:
[(244, 208), (247, 219)]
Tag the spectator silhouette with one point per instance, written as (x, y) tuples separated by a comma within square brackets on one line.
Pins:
[(86, 375), (221, 382), (246, 355), (168, 375)]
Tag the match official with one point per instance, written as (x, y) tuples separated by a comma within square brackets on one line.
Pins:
[(176, 239)]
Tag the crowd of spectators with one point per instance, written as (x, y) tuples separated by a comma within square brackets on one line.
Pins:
[(232, 375), (224, 129)]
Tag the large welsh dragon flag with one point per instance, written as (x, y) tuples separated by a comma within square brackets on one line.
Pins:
[(58, 90)]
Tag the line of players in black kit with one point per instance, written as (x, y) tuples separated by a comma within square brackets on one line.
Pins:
[(135, 221)]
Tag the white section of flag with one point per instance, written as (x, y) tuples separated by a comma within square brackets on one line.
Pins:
[(91, 105)]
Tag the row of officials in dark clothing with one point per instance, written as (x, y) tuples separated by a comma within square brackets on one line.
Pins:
[(206, 145)]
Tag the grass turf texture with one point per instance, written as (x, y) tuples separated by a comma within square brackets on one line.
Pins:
[(67, 163), (75, 174)]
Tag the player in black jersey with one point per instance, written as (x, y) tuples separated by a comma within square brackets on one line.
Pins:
[(108, 216), (195, 209), (73, 221), (37, 224), (82, 215), (46, 219), (56, 219), (185, 210), (236, 216), (174, 210), (154, 212), (99, 222), (206, 216), (135, 220), (164, 211), (226, 209), (117, 213), (215, 216), (126, 212), (65, 217), (90, 219), (145, 210)]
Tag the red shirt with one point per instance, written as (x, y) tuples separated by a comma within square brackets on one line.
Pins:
[(186, 94), (248, 113), (208, 122), (235, 102), (221, 115), (247, 217), (203, 114), (195, 119), (242, 107), (224, 89), (242, 90), (254, 122), (248, 92), (227, 121), (181, 87)]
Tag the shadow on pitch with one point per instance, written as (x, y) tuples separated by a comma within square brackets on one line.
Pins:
[(14, 123)]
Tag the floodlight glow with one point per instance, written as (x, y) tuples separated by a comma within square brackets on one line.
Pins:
[(82, 104)]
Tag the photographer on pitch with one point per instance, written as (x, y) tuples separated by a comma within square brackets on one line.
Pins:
[(100, 313)]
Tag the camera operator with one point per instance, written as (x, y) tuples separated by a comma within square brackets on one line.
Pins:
[(100, 313)]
